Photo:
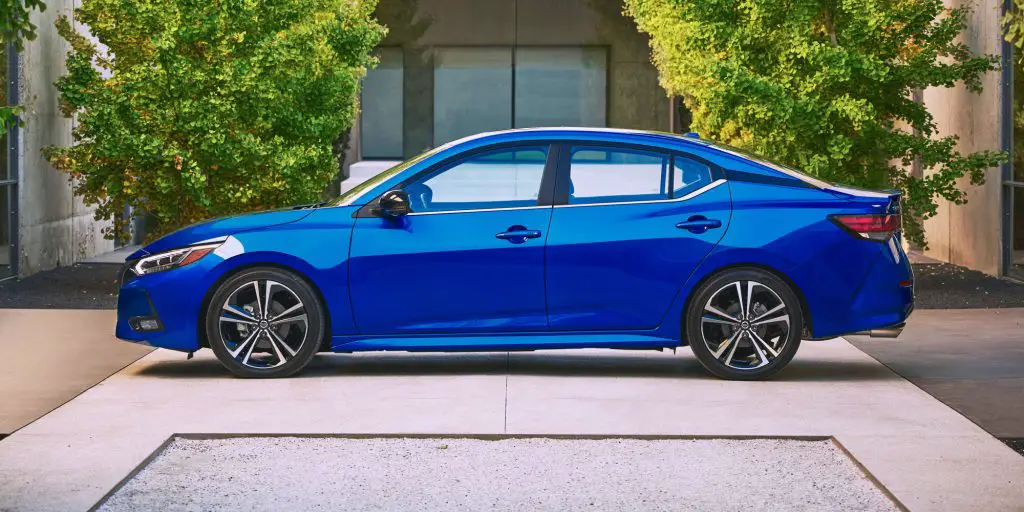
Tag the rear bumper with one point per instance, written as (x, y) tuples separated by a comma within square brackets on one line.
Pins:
[(880, 304)]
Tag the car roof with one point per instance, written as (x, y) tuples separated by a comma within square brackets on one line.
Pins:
[(579, 133)]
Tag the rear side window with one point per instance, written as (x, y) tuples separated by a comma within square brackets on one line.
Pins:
[(618, 175), (688, 175), (613, 175)]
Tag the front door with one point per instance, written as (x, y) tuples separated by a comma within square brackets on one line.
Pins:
[(635, 225), (469, 259)]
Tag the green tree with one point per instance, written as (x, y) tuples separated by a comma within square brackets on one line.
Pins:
[(825, 86), (16, 29), (201, 108), (14, 21)]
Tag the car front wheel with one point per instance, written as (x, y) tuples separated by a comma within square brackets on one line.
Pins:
[(264, 323), (744, 324)]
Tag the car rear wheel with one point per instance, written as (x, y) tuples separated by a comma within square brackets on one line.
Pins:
[(264, 323), (744, 324)]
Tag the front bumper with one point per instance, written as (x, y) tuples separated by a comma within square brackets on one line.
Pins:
[(173, 299)]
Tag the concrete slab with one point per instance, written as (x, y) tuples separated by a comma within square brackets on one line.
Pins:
[(52, 356), (971, 359), (913, 444)]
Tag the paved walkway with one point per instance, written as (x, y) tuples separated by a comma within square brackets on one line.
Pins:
[(926, 454), (971, 359), (50, 356)]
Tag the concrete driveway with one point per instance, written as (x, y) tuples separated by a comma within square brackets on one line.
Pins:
[(926, 454), (53, 355), (970, 359)]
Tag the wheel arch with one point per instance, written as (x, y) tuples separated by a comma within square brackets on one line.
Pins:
[(804, 307), (212, 289)]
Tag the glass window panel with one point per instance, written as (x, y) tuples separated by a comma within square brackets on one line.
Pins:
[(381, 119), (472, 92), (688, 175), (560, 87), (5, 232), (616, 175), (1017, 234), (4, 171), (1017, 151), (501, 179)]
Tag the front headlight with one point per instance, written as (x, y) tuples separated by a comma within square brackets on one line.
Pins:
[(175, 258)]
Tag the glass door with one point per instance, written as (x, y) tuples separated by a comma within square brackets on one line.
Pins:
[(1015, 232), (8, 172), (1013, 180)]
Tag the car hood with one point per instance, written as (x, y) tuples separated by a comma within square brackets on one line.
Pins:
[(221, 227)]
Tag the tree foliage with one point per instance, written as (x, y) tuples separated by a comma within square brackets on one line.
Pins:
[(16, 28), (825, 86), (15, 24), (200, 108)]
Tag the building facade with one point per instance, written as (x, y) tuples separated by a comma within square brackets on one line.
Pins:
[(450, 68), (987, 233), (42, 223)]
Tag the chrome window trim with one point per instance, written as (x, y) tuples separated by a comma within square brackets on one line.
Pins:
[(691, 195), (480, 210)]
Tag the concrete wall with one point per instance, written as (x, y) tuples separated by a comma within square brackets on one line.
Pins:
[(970, 234), (55, 228)]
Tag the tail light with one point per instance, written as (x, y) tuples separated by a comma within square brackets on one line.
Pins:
[(879, 228)]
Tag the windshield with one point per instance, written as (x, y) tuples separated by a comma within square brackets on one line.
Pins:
[(784, 169), (351, 196)]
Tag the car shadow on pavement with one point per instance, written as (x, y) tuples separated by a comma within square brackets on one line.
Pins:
[(588, 365)]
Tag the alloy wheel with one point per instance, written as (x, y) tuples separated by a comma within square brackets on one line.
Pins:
[(745, 325), (263, 324)]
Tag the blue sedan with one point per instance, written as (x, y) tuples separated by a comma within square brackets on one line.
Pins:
[(536, 239)]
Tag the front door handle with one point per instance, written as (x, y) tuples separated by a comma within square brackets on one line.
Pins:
[(518, 234), (699, 224)]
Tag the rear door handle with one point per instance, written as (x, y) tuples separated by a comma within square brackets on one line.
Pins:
[(518, 234), (699, 224)]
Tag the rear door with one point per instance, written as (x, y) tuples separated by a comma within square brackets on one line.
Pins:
[(629, 225)]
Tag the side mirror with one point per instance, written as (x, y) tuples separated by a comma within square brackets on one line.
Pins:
[(394, 203)]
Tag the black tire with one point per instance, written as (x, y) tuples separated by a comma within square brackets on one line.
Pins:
[(283, 343), (751, 355)]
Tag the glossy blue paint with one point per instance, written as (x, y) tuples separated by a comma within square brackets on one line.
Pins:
[(613, 275), (473, 281), (619, 266)]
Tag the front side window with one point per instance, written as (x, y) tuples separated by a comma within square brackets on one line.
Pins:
[(504, 178)]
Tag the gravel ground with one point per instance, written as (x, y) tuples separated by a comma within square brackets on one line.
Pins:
[(83, 286), (1016, 444), (945, 286), (289, 473)]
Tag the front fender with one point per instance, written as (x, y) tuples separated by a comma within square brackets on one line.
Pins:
[(315, 247)]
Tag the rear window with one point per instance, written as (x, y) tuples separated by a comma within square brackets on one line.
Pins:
[(784, 169)]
